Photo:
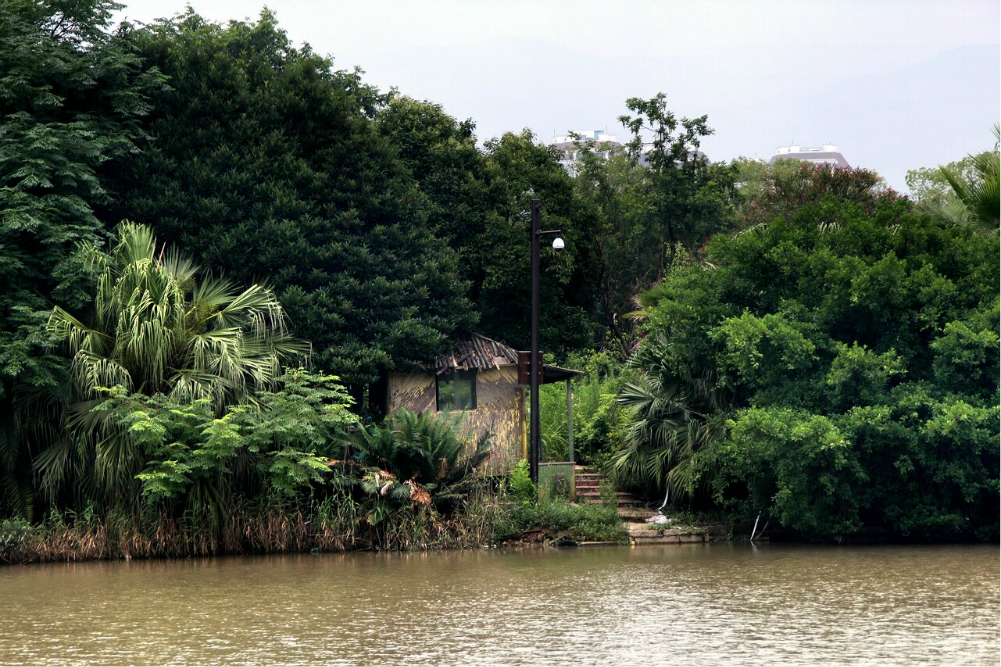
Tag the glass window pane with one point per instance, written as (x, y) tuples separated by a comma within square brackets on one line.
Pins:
[(446, 392), (463, 394), (456, 391)]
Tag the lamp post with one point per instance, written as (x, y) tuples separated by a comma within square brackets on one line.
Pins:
[(534, 363)]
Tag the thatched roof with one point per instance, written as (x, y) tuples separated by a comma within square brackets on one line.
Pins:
[(471, 351)]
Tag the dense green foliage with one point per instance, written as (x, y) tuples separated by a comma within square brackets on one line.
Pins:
[(155, 328), (674, 411), (477, 201), (659, 194), (71, 99), (616, 184), (688, 198), (857, 342), (267, 165), (829, 358), (598, 422), (561, 519), (187, 457)]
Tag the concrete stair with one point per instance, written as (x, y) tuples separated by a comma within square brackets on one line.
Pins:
[(643, 534), (587, 482), (635, 514)]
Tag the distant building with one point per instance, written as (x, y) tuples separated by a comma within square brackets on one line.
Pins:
[(826, 154), (604, 145), (569, 146)]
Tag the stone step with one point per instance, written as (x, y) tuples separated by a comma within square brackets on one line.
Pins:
[(669, 539), (588, 482), (646, 530), (643, 533), (622, 502), (620, 494), (635, 513)]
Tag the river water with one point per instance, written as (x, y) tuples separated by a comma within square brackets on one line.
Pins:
[(712, 604)]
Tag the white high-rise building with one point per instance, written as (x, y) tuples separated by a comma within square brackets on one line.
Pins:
[(826, 154), (569, 146)]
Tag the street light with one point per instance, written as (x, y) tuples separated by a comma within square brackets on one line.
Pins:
[(536, 432)]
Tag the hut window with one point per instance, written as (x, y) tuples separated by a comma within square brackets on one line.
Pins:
[(456, 391)]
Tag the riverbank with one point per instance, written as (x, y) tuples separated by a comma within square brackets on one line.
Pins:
[(488, 520)]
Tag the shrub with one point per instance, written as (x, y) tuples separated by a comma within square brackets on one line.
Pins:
[(560, 518), (520, 484)]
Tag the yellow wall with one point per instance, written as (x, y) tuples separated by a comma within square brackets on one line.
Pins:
[(500, 410)]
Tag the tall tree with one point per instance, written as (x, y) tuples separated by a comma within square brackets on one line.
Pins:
[(520, 170), (659, 194), (690, 197), (72, 94), (617, 186), (451, 171), (478, 202), (268, 165)]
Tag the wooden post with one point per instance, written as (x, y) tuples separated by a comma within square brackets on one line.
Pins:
[(570, 419)]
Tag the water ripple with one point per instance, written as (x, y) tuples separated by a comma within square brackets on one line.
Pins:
[(699, 605)]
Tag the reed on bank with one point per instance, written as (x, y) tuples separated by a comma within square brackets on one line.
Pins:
[(333, 525), (492, 515)]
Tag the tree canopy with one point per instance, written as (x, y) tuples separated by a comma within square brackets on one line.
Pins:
[(860, 340), (72, 95), (478, 202), (268, 166)]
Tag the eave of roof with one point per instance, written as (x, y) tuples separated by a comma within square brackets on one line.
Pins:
[(472, 351), (557, 373)]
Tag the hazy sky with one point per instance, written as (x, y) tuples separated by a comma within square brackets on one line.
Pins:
[(894, 84)]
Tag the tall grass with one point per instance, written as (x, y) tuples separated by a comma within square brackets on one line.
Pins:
[(334, 524)]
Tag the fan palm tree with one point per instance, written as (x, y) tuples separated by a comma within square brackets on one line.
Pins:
[(977, 202), (676, 415), (157, 327)]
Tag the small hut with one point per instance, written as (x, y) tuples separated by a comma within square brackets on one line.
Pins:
[(479, 382)]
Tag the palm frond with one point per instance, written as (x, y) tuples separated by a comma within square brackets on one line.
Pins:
[(675, 417), (158, 329)]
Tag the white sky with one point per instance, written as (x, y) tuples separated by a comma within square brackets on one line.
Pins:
[(894, 84)]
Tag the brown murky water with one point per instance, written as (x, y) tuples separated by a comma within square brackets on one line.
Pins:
[(694, 605)]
